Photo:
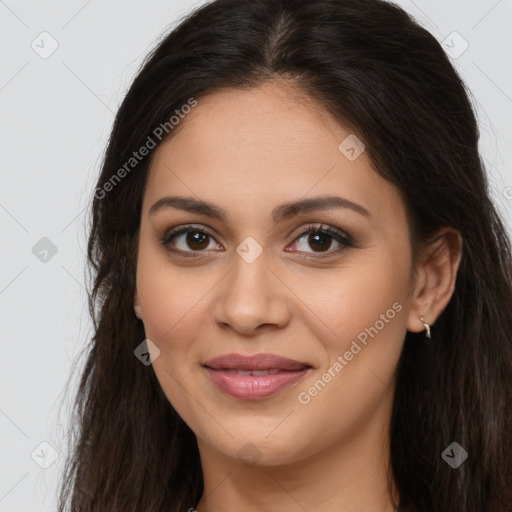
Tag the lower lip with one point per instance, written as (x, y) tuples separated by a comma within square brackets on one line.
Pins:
[(254, 387)]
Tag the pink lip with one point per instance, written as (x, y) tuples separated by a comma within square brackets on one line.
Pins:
[(254, 387), (254, 362)]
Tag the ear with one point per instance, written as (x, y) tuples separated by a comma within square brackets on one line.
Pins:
[(436, 276), (136, 306)]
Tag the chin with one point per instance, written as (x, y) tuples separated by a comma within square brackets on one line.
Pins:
[(261, 449)]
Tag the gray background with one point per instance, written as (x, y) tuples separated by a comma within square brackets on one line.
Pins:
[(56, 113)]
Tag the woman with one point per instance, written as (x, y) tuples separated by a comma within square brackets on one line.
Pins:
[(302, 292)]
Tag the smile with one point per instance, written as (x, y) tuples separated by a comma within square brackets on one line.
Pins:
[(254, 384)]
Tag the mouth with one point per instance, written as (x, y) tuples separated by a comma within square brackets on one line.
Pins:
[(254, 377), (250, 372)]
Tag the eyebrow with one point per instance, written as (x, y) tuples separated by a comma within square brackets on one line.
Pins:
[(279, 213)]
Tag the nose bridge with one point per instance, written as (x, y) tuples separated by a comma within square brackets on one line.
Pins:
[(250, 276), (251, 295)]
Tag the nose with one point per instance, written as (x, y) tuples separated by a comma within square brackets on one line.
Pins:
[(251, 298)]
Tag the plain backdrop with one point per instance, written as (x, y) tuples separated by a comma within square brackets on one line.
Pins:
[(65, 67)]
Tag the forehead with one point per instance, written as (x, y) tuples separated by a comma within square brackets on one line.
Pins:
[(259, 147)]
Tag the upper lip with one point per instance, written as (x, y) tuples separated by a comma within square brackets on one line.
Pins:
[(254, 362)]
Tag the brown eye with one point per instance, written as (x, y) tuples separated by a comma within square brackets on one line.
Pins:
[(196, 240), (188, 239), (321, 239)]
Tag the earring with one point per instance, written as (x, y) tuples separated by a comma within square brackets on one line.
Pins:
[(427, 327)]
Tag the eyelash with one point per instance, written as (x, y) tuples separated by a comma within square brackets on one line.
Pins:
[(345, 240)]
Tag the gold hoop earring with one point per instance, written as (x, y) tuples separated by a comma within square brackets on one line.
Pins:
[(427, 327)]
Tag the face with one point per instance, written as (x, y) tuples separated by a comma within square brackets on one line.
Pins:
[(328, 287)]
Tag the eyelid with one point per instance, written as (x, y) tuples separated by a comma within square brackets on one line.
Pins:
[(179, 230), (323, 228), (344, 239)]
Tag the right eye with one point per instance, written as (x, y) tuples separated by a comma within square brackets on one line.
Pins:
[(192, 239)]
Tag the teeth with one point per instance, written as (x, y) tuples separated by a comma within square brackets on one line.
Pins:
[(253, 372)]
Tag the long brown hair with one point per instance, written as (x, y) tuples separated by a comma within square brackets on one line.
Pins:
[(372, 66)]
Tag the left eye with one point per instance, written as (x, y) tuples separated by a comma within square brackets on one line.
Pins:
[(321, 238), (197, 240)]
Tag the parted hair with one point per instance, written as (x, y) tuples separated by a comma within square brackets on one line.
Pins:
[(373, 67)]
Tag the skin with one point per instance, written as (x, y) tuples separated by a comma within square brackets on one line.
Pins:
[(247, 152)]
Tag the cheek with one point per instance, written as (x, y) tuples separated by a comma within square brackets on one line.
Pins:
[(354, 380), (170, 295), (363, 306), (171, 300), (353, 298)]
